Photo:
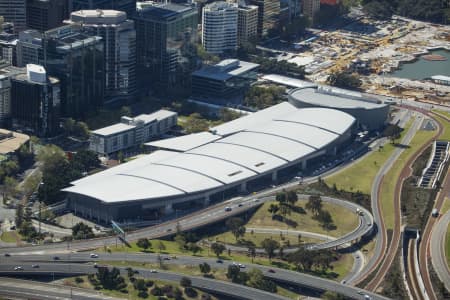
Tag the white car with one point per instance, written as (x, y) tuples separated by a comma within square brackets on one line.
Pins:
[(153, 271), (18, 268), (242, 266), (93, 255)]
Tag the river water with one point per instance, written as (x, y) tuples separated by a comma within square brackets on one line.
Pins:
[(421, 68)]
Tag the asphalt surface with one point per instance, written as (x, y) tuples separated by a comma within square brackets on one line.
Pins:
[(376, 209), (437, 247), (280, 275), (26, 289), (210, 285)]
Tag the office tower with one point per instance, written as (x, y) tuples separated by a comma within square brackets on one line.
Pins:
[(8, 44), (29, 48), (14, 11), (35, 100), (165, 38), (44, 15), (128, 6), (119, 38), (247, 23), (219, 27), (310, 7), (268, 15), (76, 57), (6, 73)]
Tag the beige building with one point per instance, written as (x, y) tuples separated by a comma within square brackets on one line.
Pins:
[(247, 23), (310, 7), (268, 15)]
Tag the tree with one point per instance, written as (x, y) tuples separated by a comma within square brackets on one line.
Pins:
[(217, 249), (281, 197), (233, 273), (110, 280), (143, 243), (195, 123), (393, 132), (19, 215), (69, 125), (252, 251), (180, 240), (273, 209), (161, 246), (291, 197), (379, 9), (314, 204), (344, 80), (125, 111), (31, 183), (285, 210), (236, 225), (86, 160), (185, 282), (269, 247), (194, 248), (9, 187), (81, 130), (325, 218), (82, 231), (255, 279), (205, 268)]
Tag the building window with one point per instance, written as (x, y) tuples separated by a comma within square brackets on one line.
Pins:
[(125, 140)]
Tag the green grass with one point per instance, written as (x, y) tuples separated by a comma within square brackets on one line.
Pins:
[(445, 206), (257, 238), (9, 236), (391, 178), (361, 175), (442, 112), (446, 132), (343, 266), (344, 219)]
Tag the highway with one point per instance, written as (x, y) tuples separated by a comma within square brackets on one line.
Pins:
[(279, 275), (381, 240), (209, 285), (437, 248), (27, 289)]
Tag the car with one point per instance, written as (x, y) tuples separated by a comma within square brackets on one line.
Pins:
[(153, 271), (35, 266), (219, 261), (93, 255), (367, 297), (173, 257), (166, 258), (240, 205), (271, 271), (228, 208), (169, 230), (7, 254), (18, 268), (95, 265), (55, 257), (242, 266), (360, 293), (357, 257)]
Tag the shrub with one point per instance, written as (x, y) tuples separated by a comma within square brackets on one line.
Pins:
[(156, 291), (185, 282), (143, 294), (190, 292), (79, 280), (149, 283)]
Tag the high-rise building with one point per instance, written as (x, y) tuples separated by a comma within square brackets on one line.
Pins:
[(310, 7), (76, 57), (268, 15), (219, 27), (119, 37), (247, 23), (128, 6), (165, 38), (35, 100), (6, 73), (14, 11), (8, 44), (44, 15), (29, 48)]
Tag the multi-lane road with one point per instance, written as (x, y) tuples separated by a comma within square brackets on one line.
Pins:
[(66, 263), (437, 248)]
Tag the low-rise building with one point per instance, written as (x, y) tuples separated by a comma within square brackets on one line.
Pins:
[(132, 132), (11, 141), (223, 83)]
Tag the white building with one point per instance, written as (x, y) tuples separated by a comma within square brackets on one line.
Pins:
[(219, 27), (132, 132), (247, 23), (120, 49)]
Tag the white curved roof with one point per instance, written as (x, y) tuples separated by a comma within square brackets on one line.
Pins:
[(236, 151)]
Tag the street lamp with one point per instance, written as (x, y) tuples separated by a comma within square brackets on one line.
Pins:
[(41, 189)]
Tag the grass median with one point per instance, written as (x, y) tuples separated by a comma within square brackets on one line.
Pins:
[(9, 236), (360, 176)]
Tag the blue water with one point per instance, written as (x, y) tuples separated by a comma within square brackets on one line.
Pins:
[(422, 68)]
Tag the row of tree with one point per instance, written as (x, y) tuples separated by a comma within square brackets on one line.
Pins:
[(428, 10)]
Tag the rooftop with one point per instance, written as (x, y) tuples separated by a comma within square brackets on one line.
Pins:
[(163, 10), (226, 69), (441, 77), (335, 98), (98, 16), (236, 151)]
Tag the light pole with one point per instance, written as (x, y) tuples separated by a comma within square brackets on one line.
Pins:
[(41, 188)]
